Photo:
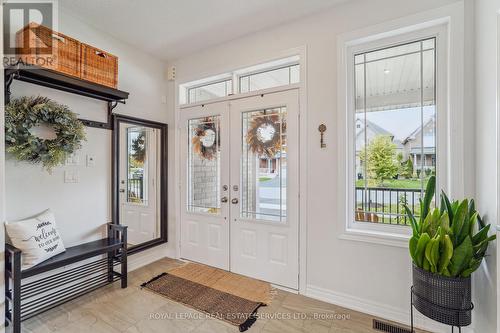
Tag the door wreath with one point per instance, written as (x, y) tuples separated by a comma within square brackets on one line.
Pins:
[(206, 139), (25, 113), (264, 136)]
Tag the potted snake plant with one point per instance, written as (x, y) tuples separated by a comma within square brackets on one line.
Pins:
[(448, 244)]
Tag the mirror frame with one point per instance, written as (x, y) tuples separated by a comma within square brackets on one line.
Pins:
[(115, 176)]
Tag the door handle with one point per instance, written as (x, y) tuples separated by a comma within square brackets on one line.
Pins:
[(223, 199), (234, 201), (122, 190)]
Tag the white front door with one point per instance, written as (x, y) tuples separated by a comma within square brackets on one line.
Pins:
[(138, 173), (264, 188), (205, 181), (240, 186)]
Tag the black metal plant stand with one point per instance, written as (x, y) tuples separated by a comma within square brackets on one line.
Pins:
[(458, 312), (444, 299)]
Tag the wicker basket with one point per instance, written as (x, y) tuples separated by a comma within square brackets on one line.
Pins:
[(444, 299), (41, 46), (99, 66)]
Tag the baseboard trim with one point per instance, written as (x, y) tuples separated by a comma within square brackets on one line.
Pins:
[(138, 260), (376, 309)]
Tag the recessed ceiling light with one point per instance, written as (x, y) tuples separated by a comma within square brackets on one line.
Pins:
[(387, 71)]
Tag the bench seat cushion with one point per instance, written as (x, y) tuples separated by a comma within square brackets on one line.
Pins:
[(37, 237)]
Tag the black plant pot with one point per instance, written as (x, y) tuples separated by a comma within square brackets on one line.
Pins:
[(444, 299)]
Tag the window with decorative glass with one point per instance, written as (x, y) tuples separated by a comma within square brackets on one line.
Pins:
[(204, 165), (271, 78), (210, 91), (394, 129), (264, 165), (273, 74), (137, 164)]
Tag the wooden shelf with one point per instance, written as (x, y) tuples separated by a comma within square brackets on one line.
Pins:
[(51, 79), (55, 80)]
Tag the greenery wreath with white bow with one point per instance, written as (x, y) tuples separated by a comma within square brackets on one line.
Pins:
[(25, 113)]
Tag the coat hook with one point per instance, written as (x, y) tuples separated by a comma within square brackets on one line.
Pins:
[(322, 130)]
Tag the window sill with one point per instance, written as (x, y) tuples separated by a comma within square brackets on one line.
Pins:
[(376, 237)]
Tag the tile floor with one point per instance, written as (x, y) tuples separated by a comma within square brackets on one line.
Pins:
[(132, 310)]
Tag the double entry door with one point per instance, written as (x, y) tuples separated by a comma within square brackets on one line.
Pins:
[(240, 186)]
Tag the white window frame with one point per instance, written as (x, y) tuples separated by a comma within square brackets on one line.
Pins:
[(266, 70), (388, 234), (208, 83), (234, 76)]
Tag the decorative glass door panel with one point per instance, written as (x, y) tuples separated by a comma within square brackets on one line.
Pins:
[(204, 188), (263, 165), (205, 184), (139, 148), (137, 164)]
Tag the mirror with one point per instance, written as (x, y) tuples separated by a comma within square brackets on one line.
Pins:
[(140, 181)]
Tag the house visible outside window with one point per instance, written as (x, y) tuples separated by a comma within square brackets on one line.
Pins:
[(395, 129)]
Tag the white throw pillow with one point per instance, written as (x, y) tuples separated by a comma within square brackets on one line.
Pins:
[(37, 237)]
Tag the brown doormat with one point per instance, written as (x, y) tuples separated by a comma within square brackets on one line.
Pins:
[(232, 283), (230, 308)]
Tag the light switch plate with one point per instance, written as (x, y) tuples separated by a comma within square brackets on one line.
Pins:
[(71, 176), (90, 161), (73, 160)]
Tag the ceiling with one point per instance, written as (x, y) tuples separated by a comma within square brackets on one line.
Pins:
[(169, 29), (393, 77)]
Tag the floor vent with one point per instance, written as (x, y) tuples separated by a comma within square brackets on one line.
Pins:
[(388, 327)]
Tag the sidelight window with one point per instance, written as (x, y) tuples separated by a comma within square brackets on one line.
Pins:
[(394, 129)]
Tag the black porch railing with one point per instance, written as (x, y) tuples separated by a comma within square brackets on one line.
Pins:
[(385, 205), (135, 189)]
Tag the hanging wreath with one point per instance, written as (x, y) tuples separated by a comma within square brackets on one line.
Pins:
[(25, 113), (264, 135), (206, 139)]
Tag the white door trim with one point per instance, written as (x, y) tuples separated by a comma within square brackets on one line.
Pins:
[(303, 144)]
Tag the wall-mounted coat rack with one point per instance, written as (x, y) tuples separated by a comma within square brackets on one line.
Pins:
[(51, 79)]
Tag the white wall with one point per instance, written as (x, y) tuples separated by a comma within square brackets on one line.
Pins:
[(83, 209), (374, 278), (370, 277), (487, 167)]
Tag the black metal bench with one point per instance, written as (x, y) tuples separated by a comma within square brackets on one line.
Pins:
[(25, 299)]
